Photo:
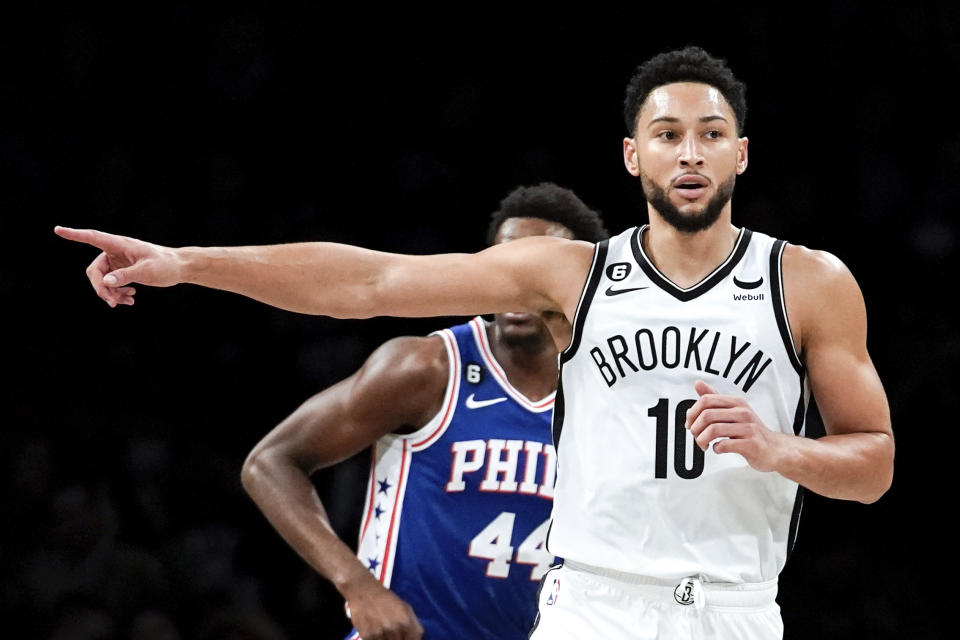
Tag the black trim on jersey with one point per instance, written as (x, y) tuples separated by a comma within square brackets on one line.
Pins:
[(558, 409), (779, 307), (799, 419), (586, 297), (780, 312), (543, 580), (697, 290), (794, 522), (800, 415)]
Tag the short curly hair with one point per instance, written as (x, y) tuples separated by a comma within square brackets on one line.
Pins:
[(553, 203), (690, 64)]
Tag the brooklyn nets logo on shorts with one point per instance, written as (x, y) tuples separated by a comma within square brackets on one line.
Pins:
[(684, 592)]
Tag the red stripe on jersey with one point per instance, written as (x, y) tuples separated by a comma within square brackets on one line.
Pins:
[(393, 515), (454, 388), (492, 364), (373, 475)]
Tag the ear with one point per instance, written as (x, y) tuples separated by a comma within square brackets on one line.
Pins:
[(631, 160), (742, 155)]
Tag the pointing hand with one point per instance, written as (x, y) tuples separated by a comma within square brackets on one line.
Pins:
[(124, 261)]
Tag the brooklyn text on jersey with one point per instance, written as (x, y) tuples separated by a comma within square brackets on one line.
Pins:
[(634, 492)]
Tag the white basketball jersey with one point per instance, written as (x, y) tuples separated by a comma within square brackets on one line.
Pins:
[(634, 493)]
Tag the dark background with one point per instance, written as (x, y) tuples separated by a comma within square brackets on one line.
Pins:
[(125, 430)]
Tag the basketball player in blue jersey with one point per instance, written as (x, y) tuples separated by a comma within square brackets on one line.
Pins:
[(689, 351), (462, 471)]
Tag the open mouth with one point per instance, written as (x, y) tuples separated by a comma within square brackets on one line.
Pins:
[(690, 187)]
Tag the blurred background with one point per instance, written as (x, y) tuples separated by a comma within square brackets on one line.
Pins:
[(124, 430)]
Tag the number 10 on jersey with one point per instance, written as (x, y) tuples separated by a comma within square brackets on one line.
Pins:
[(681, 440)]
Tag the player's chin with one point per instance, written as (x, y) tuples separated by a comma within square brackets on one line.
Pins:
[(521, 327), (518, 319), (691, 207)]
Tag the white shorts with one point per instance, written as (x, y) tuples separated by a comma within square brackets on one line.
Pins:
[(577, 601)]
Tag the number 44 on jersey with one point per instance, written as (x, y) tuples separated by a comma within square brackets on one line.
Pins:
[(495, 543)]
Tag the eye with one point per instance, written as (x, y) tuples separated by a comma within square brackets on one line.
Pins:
[(667, 135), (713, 134)]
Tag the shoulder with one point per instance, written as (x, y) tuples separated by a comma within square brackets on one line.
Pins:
[(547, 272), (402, 382), (823, 263), (417, 360), (550, 249), (820, 292), (817, 273)]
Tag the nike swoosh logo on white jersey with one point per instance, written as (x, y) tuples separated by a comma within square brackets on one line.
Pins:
[(477, 404), (615, 292)]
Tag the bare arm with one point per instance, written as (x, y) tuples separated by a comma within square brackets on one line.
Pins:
[(400, 387), (531, 274), (854, 461)]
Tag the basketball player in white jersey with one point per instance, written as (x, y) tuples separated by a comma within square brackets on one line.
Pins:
[(686, 331), (406, 402)]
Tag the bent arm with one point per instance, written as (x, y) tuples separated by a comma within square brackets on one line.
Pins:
[(854, 461), (400, 387)]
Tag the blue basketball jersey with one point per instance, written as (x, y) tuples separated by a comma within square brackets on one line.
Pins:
[(457, 513)]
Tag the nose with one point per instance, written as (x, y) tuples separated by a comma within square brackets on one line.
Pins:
[(691, 154)]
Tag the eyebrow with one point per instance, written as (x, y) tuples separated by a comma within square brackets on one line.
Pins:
[(673, 119)]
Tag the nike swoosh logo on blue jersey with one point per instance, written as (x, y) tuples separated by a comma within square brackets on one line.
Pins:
[(477, 404), (747, 285), (615, 292)]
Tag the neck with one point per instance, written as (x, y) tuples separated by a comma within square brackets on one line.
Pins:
[(687, 258), (530, 365)]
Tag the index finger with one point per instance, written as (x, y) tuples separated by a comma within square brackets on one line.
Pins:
[(702, 388), (710, 401), (106, 241)]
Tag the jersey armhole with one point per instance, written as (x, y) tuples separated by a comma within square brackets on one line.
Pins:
[(586, 296), (437, 425), (780, 305), (783, 324)]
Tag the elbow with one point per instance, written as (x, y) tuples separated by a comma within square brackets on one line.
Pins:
[(882, 474), (249, 472), (876, 491), (267, 472), (253, 472), (360, 304), (355, 312), (371, 295)]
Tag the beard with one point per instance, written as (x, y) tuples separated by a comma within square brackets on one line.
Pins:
[(687, 223)]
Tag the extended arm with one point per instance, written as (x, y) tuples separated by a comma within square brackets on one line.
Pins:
[(400, 387), (531, 274), (854, 461)]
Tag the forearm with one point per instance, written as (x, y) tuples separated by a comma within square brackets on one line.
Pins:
[(286, 496), (852, 466), (317, 278)]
